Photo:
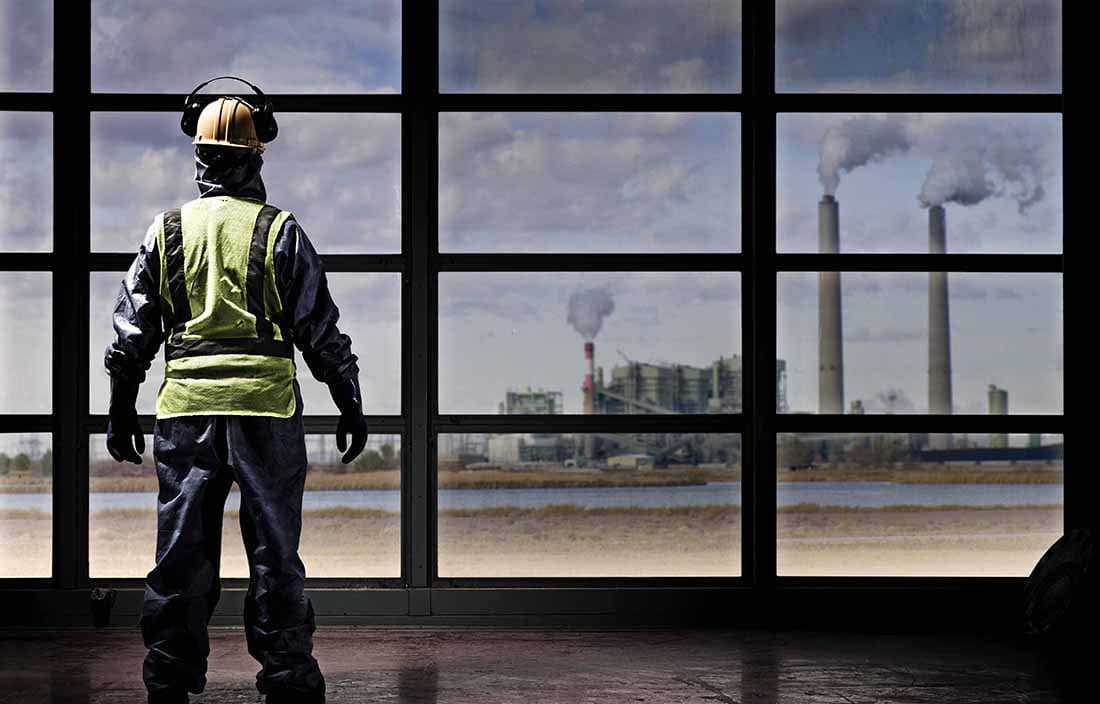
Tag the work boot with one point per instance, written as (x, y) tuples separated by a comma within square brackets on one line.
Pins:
[(168, 696)]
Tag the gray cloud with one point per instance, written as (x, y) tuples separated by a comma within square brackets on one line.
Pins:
[(284, 46), (925, 45), (573, 46), (26, 182), (564, 182), (1010, 44), (26, 323), (339, 174), (26, 54)]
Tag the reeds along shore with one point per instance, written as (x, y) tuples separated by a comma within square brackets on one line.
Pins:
[(106, 479)]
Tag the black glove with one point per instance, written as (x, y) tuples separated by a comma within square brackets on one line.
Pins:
[(123, 431), (346, 396)]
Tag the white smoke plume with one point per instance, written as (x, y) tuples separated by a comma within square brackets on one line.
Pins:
[(960, 177), (891, 400), (587, 309), (859, 141), (1009, 165)]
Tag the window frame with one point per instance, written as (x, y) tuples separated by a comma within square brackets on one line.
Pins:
[(422, 593)]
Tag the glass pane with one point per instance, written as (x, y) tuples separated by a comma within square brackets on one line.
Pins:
[(937, 46), (351, 515), (26, 505), (998, 177), (589, 505), (26, 345), (157, 47), (26, 46), (887, 505), (370, 312), (589, 182), (26, 181), (671, 342), (613, 46), (861, 342), (339, 174)]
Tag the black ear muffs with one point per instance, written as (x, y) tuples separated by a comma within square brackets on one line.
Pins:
[(263, 114)]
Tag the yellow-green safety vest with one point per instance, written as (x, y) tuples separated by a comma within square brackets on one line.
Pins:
[(225, 348)]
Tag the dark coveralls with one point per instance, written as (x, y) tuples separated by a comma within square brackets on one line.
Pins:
[(198, 457)]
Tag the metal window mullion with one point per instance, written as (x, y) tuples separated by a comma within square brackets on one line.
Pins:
[(750, 393), (763, 323), (1082, 487), (71, 202), (420, 71)]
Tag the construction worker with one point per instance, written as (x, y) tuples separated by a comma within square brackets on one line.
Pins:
[(229, 285)]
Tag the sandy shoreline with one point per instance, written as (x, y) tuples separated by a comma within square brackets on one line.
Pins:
[(557, 541)]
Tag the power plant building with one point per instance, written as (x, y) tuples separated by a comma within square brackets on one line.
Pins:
[(998, 406), (644, 387), (538, 402)]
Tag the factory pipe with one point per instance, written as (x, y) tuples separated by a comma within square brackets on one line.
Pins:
[(939, 330), (830, 353), (589, 396)]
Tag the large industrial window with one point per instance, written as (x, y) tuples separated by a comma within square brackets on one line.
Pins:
[(645, 294)]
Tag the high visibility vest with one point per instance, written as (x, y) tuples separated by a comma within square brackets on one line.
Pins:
[(225, 348)]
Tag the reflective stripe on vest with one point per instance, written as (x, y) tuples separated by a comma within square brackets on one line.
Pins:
[(224, 349)]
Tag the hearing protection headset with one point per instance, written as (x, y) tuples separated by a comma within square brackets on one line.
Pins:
[(263, 115)]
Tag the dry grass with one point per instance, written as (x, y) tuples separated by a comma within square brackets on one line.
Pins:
[(928, 474), (910, 508), (685, 475)]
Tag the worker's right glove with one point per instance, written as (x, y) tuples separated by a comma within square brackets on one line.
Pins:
[(123, 431), (346, 396)]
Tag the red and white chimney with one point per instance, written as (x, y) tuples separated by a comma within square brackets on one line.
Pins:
[(589, 374)]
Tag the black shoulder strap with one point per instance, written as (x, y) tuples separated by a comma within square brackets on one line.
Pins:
[(257, 256), (173, 261)]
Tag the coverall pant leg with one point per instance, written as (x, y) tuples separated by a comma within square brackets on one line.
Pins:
[(266, 456), (183, 588)]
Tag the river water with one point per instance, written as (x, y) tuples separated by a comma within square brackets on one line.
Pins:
[(839, 493)]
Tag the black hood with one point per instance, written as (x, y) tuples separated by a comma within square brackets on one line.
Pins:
[(229, 172)]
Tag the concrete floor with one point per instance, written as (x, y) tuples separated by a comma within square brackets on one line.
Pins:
[(491, 666)]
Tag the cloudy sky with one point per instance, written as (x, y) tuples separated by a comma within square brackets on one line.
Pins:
[(918, 45), (345, 46), (999, 176), (584, 182)]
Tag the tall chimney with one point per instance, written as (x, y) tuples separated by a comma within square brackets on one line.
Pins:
[(589, 393), (830, 350), (939, 330), (589, 443)]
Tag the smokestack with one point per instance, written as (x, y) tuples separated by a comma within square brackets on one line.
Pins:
[(589, 396), (830, 352), (589, 393), (939, 330)]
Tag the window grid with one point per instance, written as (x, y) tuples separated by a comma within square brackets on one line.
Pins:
[(72, 102)]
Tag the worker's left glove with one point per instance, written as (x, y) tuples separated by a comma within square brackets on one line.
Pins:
[(346, 396), (123, 431)]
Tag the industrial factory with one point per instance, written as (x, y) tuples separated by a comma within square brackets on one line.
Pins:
[(634, 387)]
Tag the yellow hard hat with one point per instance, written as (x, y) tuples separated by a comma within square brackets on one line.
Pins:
[(228, 122)]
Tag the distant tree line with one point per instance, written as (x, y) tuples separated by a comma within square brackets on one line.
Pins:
[(21, 463), (385, 457), (868, 451)]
